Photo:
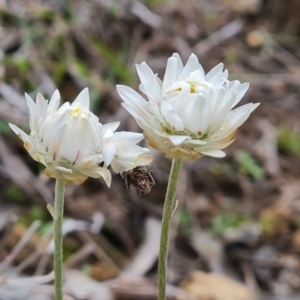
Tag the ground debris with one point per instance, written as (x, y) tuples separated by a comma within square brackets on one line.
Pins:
[(204, 286)]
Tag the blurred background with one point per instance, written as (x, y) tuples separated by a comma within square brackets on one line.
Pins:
[(236, 232)]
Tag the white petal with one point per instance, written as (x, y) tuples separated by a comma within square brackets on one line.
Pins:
[(195, 142), (215, 110), (171, 116), (214, 71), (90, 160), (178, 101), (108, 133), (219, 79), (20, 133), (109, 148), (132, 137), (187, 119), (136, 112), (191, 66), (223, 143), (122, 166), (170, 73), (106, 175), (135, 104), (34, 113), (179, 64), (144, 160), (63, 169), (149, 84), (31, 105), (112, 126), (129, 149), (214, 153), (222, 114), (211, 101), (177, 140), (199, 75), (53, 129), (130, 96), (42, 105), (40, 102), (83, 98), (241, 92), (76, 140), (63, 109), (97, 172), (235, 119), (196, 116), (54, 102)]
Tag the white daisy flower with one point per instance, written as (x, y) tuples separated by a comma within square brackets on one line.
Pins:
[(71, 142), (189, 114), (66, 140)]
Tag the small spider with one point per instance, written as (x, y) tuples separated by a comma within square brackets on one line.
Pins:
[(140, 178)]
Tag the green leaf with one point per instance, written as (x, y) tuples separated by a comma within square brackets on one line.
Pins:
[(18, 61), (249, 166), (118, 67), (46, 228), (59, 72), (81, 68), (4, 128), (228, 219), (37, 213), (15, 194), (289, 141)]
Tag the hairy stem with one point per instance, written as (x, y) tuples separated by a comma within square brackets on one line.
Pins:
[(58, 238), (165, 227)]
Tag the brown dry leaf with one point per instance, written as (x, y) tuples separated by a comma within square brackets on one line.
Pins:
[(99, 272), (205, 286)]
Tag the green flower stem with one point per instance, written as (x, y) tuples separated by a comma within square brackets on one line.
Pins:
[(58, 238), (165, 228)]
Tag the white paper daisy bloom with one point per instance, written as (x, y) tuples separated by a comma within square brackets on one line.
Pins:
[(120, 151), (66, 140), (71, 142), (189, 114)]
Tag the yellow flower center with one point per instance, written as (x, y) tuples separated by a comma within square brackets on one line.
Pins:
[(76, 111), (193, 88), (197, 85)]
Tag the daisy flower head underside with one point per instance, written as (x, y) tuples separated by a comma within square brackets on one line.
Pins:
[(71, 143), (188, 114)]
